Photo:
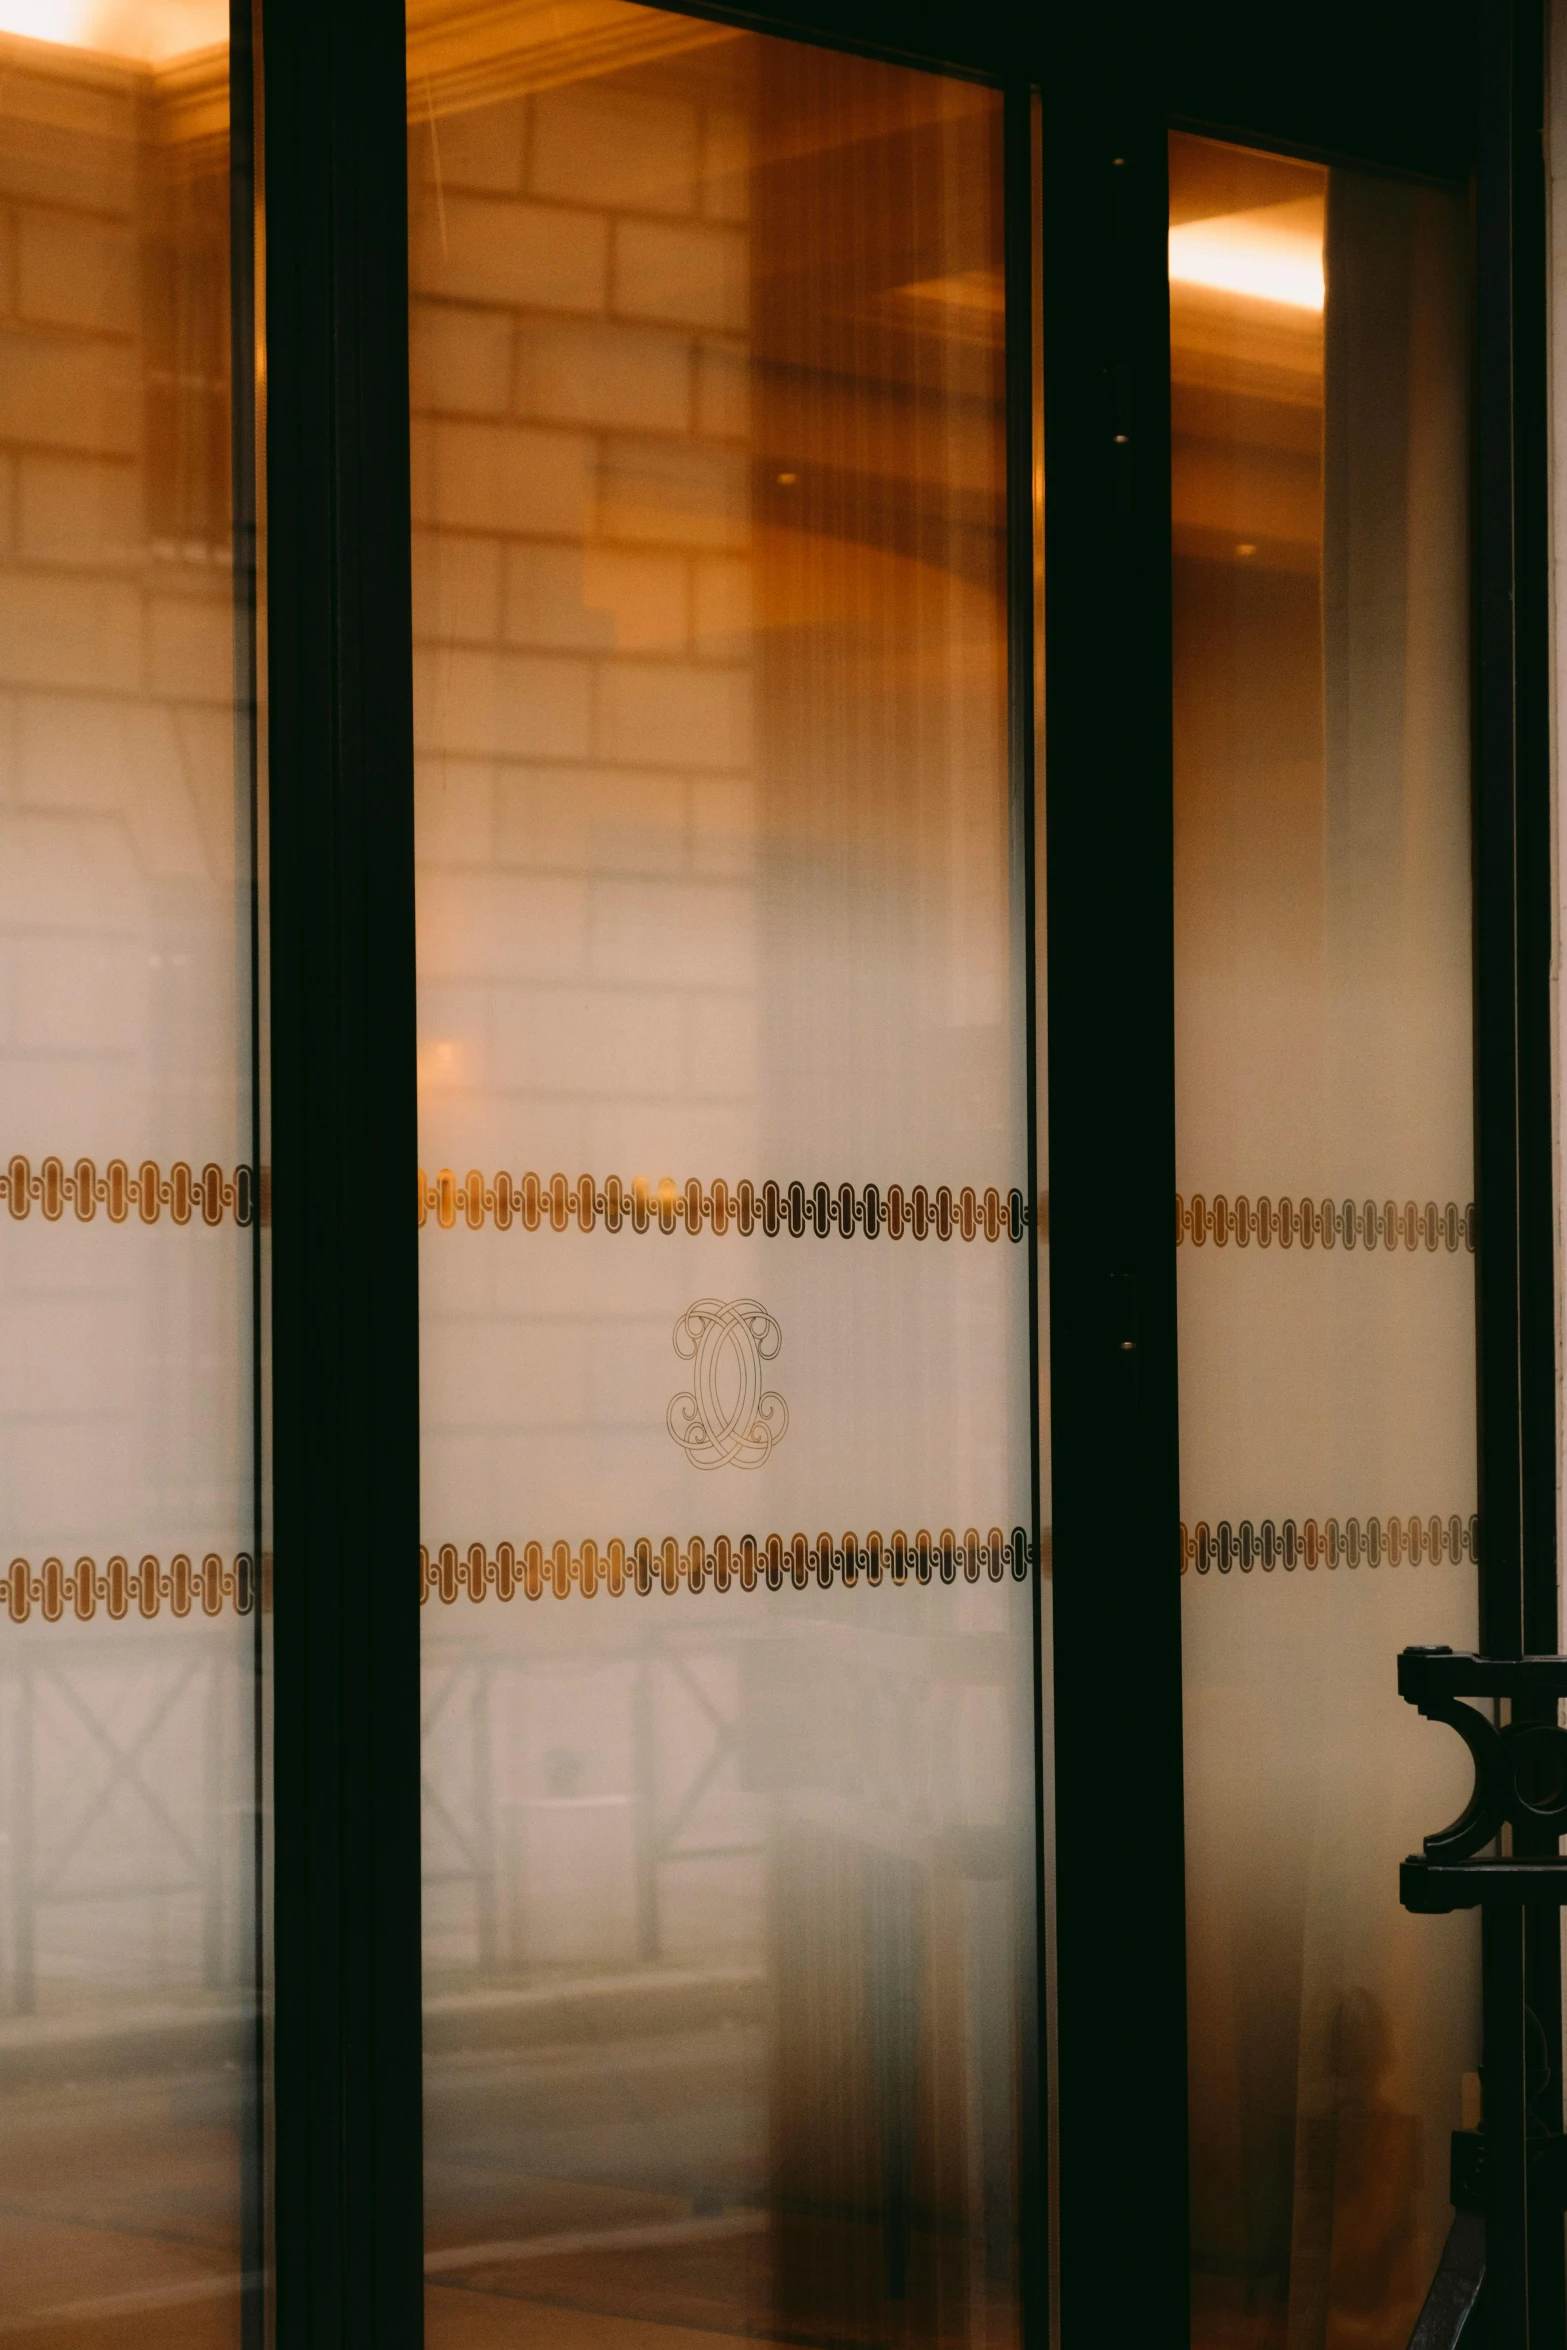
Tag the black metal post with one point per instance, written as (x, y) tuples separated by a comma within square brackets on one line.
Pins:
[(1514, 1173), (1121, 2056), (345, 1595), (1507, 2222)]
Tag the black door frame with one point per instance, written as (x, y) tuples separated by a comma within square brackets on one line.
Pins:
[(344, 2025)]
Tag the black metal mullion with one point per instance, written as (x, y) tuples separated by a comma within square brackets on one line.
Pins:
[(1534, 924), (345, 1620), (1121, 1971), (1496, 1092), (1526, 2295), (1533, 875)]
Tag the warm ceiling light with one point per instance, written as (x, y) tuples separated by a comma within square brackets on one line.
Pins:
[(1273, 254), (147, 32)]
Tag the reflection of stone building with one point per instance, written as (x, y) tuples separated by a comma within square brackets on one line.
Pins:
[(124, 926), (126, 1742), (1323, 1045), (714, 883)]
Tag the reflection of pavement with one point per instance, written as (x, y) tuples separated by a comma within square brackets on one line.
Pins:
[(599, 2176), (614, 2189), (478, 2321), (549, 2105), (119, 2218), (682, 2118), (597, 2146)]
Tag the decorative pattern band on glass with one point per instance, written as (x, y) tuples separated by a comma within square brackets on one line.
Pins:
[(121, 1588), (1324, 1223), (206, 1194), (1328, 1542), (771, 1208), (531, 1570)]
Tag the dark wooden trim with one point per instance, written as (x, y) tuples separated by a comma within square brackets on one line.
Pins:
[(345, 1395)]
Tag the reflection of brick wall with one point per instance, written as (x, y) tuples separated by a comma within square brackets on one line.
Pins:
[(122, 947), (583, 701), (700, 897), (579, 261), (124, 950)]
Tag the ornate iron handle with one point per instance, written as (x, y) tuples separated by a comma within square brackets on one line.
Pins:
[(1520, 1779)]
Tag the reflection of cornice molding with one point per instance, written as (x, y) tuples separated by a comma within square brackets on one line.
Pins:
[(47, 64), (190, 98), (72, 92), (504, 48), (1228, 343)]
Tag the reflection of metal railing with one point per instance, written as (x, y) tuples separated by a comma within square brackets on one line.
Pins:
[(124, 1768), (468, 1823), (679, 1735)]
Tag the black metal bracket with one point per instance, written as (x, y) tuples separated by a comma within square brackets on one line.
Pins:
[(1520, 1779)]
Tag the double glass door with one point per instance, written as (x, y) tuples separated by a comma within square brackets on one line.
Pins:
[(744, 442)]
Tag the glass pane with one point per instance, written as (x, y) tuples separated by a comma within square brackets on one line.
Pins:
[(127, 1627), (727, 1457), (1325, 1228)]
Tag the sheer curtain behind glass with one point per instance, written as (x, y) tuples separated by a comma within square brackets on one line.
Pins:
[(127, 1771), (1325, 1227), (725, 1372)]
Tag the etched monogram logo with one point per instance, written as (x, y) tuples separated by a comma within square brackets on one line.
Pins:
[(726, 1418)]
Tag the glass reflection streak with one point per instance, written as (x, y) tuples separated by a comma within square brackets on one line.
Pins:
[(728, 1819), (127, 1619), (1325, 1229)]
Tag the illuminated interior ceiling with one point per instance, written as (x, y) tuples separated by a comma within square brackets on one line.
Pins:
[(137, 32), (1247, 290)]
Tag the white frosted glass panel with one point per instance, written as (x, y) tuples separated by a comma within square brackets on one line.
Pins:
[(127, 1769), (1325, 1227), (726, 1463)]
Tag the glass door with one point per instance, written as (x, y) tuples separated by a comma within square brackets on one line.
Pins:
[(1325, 1228), (129, 2135), (728, 1433)]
